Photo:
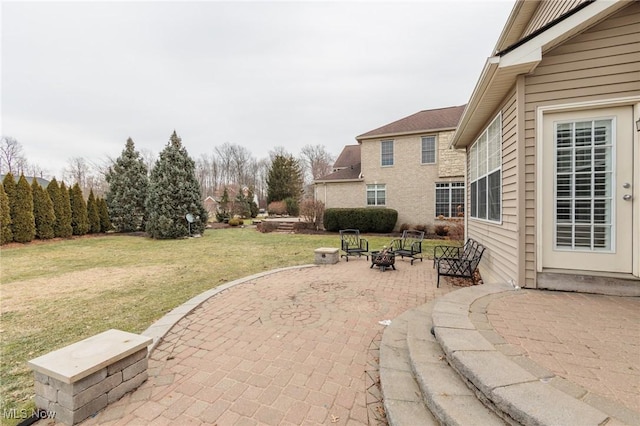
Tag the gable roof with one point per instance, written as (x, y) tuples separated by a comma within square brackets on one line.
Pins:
[(346, 174), (347, 166), (420, 122), (519, 50), (349, 156), (41, 181)]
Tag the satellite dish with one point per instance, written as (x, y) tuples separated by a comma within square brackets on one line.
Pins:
[(189, 217)]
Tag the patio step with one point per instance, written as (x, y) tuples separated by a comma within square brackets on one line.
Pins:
[(284, 228), (418, 385), (437, 366)]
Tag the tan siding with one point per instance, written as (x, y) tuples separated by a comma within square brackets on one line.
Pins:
[(548, 11), (599, 64), (500, 261), (410, 185), (341, 194)]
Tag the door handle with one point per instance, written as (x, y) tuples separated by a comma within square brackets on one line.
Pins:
[(627, 197)]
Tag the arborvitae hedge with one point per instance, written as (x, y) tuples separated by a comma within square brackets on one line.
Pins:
[(93, 214), (61, 207), (79, 218), (24, 226), (376, 220), (6, 235), (10, 188), (103, 209), (43, 212)]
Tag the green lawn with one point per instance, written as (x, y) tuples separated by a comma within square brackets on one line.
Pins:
[(60, 292)]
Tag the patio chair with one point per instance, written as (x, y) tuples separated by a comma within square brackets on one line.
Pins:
[(352, 244), (409, 245)]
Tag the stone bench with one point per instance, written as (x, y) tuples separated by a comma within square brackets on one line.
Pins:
[(326, 256), (79, 380)]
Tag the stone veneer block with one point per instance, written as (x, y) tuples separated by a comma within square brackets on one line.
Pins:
[(87, 356), (326, 256), (77, 381)]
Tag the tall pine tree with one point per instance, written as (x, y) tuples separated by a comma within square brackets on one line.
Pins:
[(128, 183), (43, 212), (24, 226), (61, 207), (79, 218), (174, 192), (6, 235), (93, 214), (284, 179)]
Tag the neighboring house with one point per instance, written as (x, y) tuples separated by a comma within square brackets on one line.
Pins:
[(41, 181), (406, 165), (552, 137)]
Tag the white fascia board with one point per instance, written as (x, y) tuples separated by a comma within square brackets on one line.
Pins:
[(532, 50)]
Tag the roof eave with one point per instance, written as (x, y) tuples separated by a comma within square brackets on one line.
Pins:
[(412, 132), (337, 180), (500, 72)]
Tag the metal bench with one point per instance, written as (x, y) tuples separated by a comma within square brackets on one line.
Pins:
[(460, 262), (409, 245), (352, 244)]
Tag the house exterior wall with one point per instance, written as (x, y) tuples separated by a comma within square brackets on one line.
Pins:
[(548, 11), (599, 64), (410, 185), (341, 194), (500, 260)]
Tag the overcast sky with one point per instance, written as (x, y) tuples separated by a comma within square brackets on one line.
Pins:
[(79, 78)]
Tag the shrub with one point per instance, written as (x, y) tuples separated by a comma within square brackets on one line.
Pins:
[(424, 228), (293, 208), (235, 221), (441, 230), (276, 207), (312, 211), (364, 219), (405, 226)]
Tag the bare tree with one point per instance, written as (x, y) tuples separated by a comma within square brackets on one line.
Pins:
[(316, 162), (12, 159)]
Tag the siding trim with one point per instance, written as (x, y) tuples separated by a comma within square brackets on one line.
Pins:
[(539, 128)]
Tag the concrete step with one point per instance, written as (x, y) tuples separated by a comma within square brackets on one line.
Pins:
[(418, 385), (284, 228), (403, 401)]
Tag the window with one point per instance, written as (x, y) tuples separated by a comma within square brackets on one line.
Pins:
[(428, 150), (450, 199), (376, 194), (386, 153), (485, 170), (584, 185)]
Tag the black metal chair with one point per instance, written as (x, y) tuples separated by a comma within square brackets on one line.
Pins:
[(462, 263), (409, 245), (352, 244)]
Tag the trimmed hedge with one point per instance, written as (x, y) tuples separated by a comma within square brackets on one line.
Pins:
[(366, 220)]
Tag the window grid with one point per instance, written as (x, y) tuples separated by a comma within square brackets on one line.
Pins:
[(428, 150), (386, 153), (485, 170), (583, 185), (450, 199), (376, 194)]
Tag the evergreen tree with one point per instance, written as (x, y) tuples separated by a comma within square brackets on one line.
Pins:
[(43, 212), (128, 183), (24, 226), (61, 207), (79, 217), (284, 179), (6, 235), (10, 189), (174, 192), (105, 222), (93, 214)]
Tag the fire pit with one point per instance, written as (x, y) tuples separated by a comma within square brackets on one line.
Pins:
[(383, 259)]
